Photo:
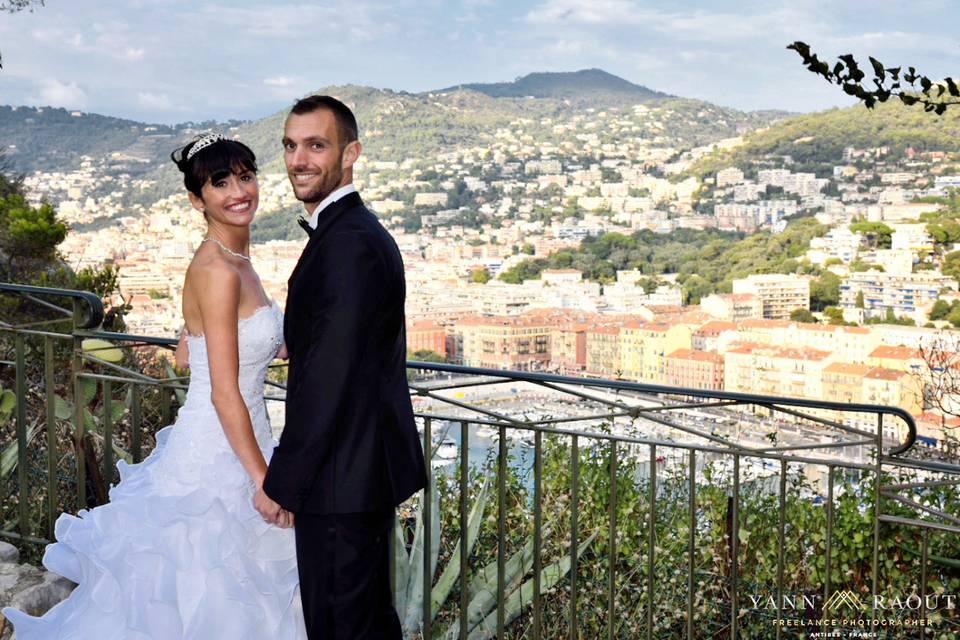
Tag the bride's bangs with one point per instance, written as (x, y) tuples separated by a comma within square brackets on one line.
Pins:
[(222, 159)]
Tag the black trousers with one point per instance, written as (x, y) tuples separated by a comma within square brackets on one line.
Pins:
[(344, 566)]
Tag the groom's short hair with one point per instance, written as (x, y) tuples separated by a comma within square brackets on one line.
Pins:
[(346, 121)]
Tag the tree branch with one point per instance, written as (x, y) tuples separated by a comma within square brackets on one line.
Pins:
[(909, 87)]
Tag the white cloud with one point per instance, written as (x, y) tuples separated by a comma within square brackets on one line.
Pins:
[(596, 12), (134, 54), (59, 94), (157, 101), (279, 81)]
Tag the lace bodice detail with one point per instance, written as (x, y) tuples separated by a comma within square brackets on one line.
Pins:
[(197, 436), (259, 336)]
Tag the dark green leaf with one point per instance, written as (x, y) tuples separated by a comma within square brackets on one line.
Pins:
[(952, 87)]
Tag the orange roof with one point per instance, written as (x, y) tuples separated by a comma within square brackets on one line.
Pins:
[(686, 317), (879, 373), (700, 356), (658, 326), (665, 308), (715, 328), (737, 297), (802, 354), (605, 329), (936, 419), (848, 368), (423, 325), (781, 352), (764, 323), (897, 353)]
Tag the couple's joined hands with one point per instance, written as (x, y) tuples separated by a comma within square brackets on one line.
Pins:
[(270, 511)]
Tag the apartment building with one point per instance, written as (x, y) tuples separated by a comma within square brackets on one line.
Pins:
[(694, 369), (779, 294), (716, 335), (734, 307), (521, 342), (905, 293), (776, 371), (645, 345), (603, 351), (426, 335)]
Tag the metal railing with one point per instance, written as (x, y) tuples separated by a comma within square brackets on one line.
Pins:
[(628, 439)]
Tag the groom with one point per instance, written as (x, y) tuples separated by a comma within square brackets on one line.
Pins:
[(349, 452)]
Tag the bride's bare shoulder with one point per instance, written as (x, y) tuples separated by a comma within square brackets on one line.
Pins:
[(210, 279), (211, 271)]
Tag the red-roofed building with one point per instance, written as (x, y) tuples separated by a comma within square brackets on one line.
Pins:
[(694, 369), (775, 371), (716, 335), (427, 335)]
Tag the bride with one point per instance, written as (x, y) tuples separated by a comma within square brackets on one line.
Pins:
[(180, 551)]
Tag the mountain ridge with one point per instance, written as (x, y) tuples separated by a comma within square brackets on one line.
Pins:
[(561, 84)]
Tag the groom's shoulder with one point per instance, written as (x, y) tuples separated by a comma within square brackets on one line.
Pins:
[(362, 219)]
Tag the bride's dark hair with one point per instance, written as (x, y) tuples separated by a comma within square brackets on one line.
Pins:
[(213, 161)]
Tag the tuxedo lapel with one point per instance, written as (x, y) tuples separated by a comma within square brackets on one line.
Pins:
[(327, 217)]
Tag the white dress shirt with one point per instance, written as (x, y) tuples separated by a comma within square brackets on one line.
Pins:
[(329, 200)]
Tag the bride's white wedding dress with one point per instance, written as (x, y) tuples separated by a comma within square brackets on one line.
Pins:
[(179, 551)]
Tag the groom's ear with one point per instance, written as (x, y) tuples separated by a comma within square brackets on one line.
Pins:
[(350, 154)]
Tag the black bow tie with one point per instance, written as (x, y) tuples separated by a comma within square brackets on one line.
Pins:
[(305, 225)]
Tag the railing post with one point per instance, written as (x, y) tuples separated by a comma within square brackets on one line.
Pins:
[(22, 443), (107, 433), (829, 546), (923, 581), (875, 582), (691, 539), (574, 525), (501, 530), (651, 539), (49, 390), (612, 557), (537, 531), (781, 534), (76, 366), (735, 548), (428, 534), (136, 422), (464, 541)]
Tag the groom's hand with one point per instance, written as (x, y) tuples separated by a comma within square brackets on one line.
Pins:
[(266, 507)]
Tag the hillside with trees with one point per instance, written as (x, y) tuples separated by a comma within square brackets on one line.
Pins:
[(816, 141), (705, 261)]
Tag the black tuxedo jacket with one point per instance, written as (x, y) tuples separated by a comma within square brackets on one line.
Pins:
[(349, 443)]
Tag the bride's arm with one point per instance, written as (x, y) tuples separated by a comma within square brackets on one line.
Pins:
[(219, 299)]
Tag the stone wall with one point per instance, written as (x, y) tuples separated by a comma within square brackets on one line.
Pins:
[(28, 588)]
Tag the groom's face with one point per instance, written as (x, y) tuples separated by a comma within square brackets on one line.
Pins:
[(313, 153)]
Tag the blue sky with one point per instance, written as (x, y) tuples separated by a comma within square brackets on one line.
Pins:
[(177, 60)]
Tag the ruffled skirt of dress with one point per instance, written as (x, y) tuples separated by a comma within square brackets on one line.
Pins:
[(166, 559)]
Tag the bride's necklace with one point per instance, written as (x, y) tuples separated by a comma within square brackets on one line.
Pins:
[(226, 249)]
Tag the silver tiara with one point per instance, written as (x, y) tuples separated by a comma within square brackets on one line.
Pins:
[(203, 142)]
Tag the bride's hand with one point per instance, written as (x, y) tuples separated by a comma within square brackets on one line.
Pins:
[(282, 353), (182, 355), (270, 511), (285, 521)]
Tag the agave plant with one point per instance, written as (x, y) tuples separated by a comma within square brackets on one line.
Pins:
[(8, 402), (482, 610), (9, 455), (64, 410)]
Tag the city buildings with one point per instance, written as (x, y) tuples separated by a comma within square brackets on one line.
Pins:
[(779, 294)]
